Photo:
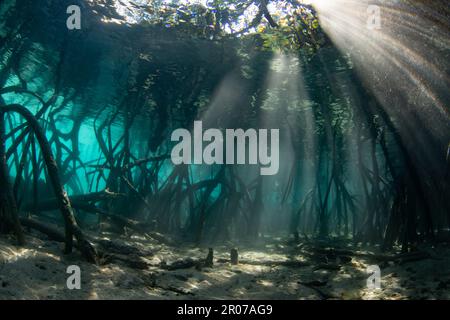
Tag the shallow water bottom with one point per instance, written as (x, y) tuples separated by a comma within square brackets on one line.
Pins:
[(140, 267)]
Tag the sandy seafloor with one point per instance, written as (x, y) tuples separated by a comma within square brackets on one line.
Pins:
[(38, 271)]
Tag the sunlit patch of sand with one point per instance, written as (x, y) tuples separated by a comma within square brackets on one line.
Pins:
[(38, 271)]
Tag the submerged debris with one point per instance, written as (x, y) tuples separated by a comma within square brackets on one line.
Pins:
[(173, 272)]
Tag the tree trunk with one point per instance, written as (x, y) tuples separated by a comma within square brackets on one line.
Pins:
[(71, 227)]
